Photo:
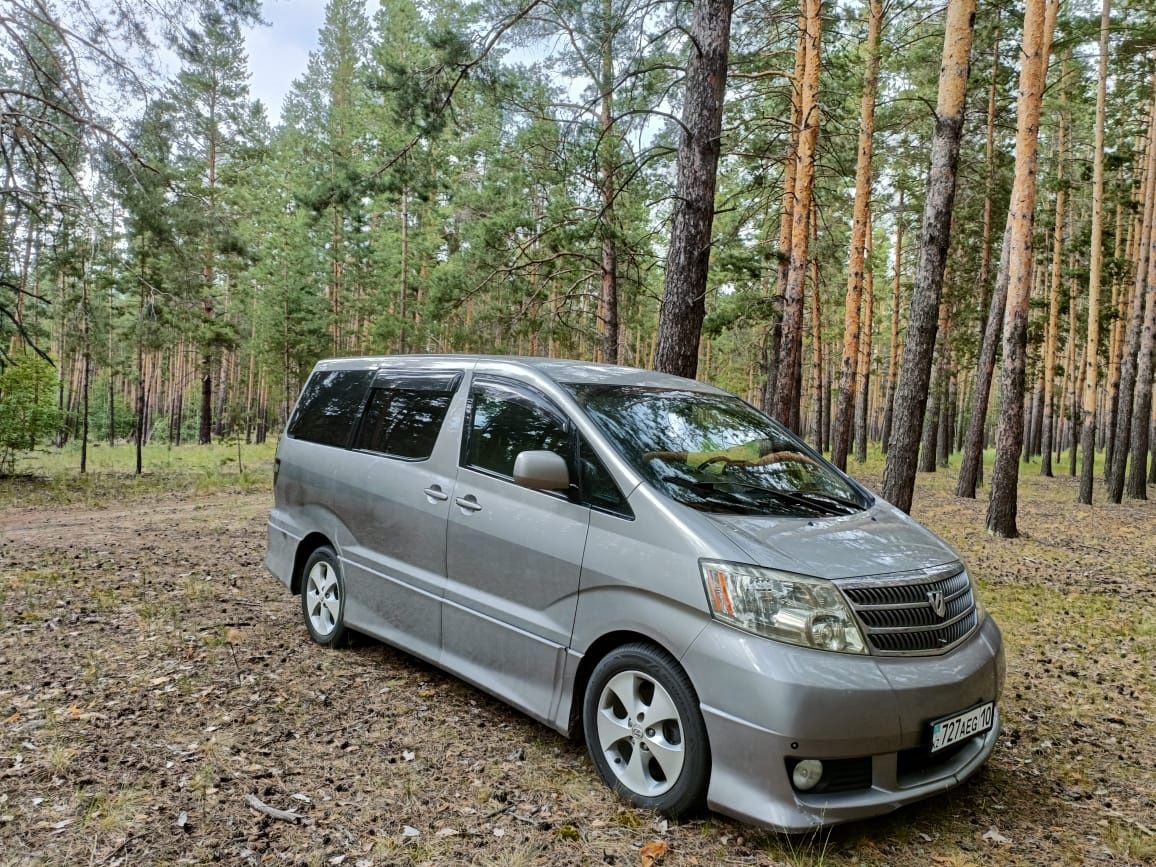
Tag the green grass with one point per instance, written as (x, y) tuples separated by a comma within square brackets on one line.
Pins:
[(52, 477)]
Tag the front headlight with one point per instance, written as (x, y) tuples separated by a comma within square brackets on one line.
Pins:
[(809, 612)]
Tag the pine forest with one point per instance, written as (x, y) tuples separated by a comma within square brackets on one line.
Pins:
[(904, 226)]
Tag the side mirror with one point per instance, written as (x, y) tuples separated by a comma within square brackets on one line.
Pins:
[(541, 471)]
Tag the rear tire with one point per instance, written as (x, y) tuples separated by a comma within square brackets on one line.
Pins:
[(645, 732), (323, 598)]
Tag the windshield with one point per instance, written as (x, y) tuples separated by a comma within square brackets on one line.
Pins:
[(715, 453)]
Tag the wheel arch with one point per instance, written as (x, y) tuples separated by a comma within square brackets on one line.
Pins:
[(305, 549), (595, 653)]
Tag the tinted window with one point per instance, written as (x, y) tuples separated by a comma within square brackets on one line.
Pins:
[(402, 419), (598, 487), (506, 421), (328, 406)]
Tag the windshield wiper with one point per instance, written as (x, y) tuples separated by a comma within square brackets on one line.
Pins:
[(830, 498), (719, 486)]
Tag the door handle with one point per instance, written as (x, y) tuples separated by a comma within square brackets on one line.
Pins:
[(469, 503), (437, 494)]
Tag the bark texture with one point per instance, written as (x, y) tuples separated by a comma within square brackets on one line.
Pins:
[(1142, 402), (911, 390), (1039, 21), (684, 292), (1145, 277), (1095, 270), (785, 406), (1050, 338), (893, 360), (852, 324)]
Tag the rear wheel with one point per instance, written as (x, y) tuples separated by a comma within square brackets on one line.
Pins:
[(323, 598), (645, 732)]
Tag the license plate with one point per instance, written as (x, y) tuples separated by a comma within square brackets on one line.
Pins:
[(953, 729)]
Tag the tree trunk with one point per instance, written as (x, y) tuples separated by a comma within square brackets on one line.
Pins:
[(1116, 336), (1092, 354), (852, 325), (86, 370), (911, 391), (140, 380), (817, 363), (867, 333), (1142, 402), (1145, 279), (927, 449), (989, 169), (893, 360), (1051, 338), (403, 283), (1039, 22), (608, 181), (684, 293), (786, 219), (789, 366)]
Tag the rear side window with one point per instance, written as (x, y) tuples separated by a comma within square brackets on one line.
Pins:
[(405, 414), (329, 405), (505, 421)]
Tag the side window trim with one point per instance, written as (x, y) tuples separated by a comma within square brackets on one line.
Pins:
[(381, 380), (541, 401)]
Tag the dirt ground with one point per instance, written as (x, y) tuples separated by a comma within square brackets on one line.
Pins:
[(153, 677)]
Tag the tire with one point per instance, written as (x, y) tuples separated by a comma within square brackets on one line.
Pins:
[(665, 766), (323, 598)]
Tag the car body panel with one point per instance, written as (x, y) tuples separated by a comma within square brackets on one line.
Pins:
[(881, 540), (513, 565), (515, 596)]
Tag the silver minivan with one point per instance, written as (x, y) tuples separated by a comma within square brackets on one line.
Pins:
[(650, 561)]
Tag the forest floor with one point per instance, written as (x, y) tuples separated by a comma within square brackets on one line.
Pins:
[(153, 676)]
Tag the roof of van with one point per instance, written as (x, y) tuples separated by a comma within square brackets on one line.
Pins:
[(558, 369)]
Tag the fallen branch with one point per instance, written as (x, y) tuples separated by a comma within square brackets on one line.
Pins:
[(272, 812)]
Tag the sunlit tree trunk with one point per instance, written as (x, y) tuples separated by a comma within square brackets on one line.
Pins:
[(1039, 21), (788, 368), (911, 391), (852, 324)]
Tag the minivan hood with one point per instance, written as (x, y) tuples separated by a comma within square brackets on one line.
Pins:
[(878, 541)]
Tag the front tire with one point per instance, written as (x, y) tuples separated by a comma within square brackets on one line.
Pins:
[(323, 598), (645, 732)]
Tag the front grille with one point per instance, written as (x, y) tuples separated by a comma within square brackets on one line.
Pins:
[(897, 614)]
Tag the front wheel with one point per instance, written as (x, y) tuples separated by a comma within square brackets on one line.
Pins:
[(645, 731), (323, 598)]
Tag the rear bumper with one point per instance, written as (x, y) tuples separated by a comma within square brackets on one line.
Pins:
[(764, 702), (280, 551)]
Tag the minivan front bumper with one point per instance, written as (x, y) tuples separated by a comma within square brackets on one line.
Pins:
[(765, 702)]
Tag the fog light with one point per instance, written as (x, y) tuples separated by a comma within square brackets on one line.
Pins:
[(807, 774)]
